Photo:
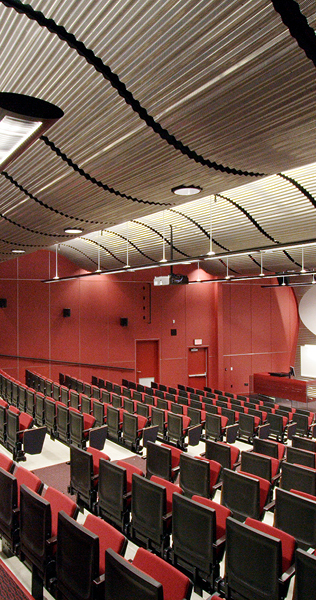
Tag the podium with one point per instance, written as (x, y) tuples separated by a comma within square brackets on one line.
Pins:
[(296, 390)]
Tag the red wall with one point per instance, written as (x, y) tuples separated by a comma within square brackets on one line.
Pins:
[(245, 328)]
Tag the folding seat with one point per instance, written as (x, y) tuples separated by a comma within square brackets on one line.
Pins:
[(17, 425), (50, 408), (129, 405), (116, 401), (95, 392), (159, 462), (177, 429), (278, 424), (85, 404), (176, 408), (259, 565), (115, 492), (10, 504), (248, 427), (269, 448), (105, 396), (296, 514), (126, 392), (64, 395), (38, 532), (81, 557), (74, 399), (176, 586), (30, 402), (303, 424), (87, 390), (84, 475), (159, 417), (137, 396), (297, 477), (184, 401), (114, 423), (196, 415), (261, 465), (150, 521), (132, 430), (99, 411), (6, 463), (301, 457), (303, 443), (62, 422), (198, 539), (198, 476), (22, 397), (144, 410), (225, 454), (80, 425), (212, 408), (3, 420), (39, 416), (305, 575), (56, 391), (215, 426), (150, 400), (163, 404), (244, 494)]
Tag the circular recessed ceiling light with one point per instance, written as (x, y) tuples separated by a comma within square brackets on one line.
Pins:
[(186, 190), (73, 230), (18, 251)]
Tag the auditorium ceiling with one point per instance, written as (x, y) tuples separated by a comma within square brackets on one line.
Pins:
[(156, 94)]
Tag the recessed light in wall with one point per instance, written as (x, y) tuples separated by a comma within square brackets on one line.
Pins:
[(186, 190), (73, 230), (23, 120), (18, 251)]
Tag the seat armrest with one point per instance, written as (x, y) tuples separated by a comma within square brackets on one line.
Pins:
[(51, 541), (167, 516), (287, 574), (269, 507), (217, 485)]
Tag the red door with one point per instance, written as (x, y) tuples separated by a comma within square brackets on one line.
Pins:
[(197, 367), (147, 360)]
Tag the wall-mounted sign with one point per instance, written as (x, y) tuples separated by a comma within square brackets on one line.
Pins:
[(198, 342)]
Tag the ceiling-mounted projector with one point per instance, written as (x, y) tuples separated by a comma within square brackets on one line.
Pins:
[(172, 279)]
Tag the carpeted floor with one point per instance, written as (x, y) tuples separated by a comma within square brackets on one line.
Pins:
[(57, 476)]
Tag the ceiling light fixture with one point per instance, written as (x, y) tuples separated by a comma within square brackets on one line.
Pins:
[(211, 251), (163, 260), (127, 266), (227, 274), (56, 262), (303, 270), (17, 251), (186, 190), (23, 120), (261, 265), (73, 230)]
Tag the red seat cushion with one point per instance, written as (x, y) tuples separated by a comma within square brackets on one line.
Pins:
[(175, 584), (264, 488), (304, 494), (59, 501), (221, 514), (97, 454), (108, 536), (22, 475), (171, 488), (130, 469)]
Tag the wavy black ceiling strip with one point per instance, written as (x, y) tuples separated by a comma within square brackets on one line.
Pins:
[(299, 187), (298, 26), (54, 235), (104, 248), (178, 212), (117, 84), (161, 236), (131, 244), (58, 212), (81, 252), (93, 180)]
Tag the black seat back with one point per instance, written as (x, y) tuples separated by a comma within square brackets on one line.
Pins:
[(35, 527), (158, 461), (148, 509), (296, 477), (301, 457), (296, 515), (194, 476), (305, 574), (112, 500), (258, 464), (241, 494)]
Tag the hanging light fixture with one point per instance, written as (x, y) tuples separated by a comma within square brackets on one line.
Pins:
[(186, 190), (227, 274), (127, 266), (211, 251), (98, 270), (261, 265), (303, 270), (56, 263), (163, 260), (23, 120)]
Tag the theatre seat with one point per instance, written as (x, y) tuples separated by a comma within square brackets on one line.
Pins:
[(17, 424), (295, 513), (215, 426), (79, 426), (38, 532), (177, 429), (254, 561), (225, 454), (176, 586), (159, 461), (198, 476), (132, 430), (150, 521), (84, 474), (108, 536), (10, 503), (305, 575), (244, 494), (198, 535), (114, 497)]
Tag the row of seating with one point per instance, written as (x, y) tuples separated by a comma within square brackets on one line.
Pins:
[(38, 525)]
